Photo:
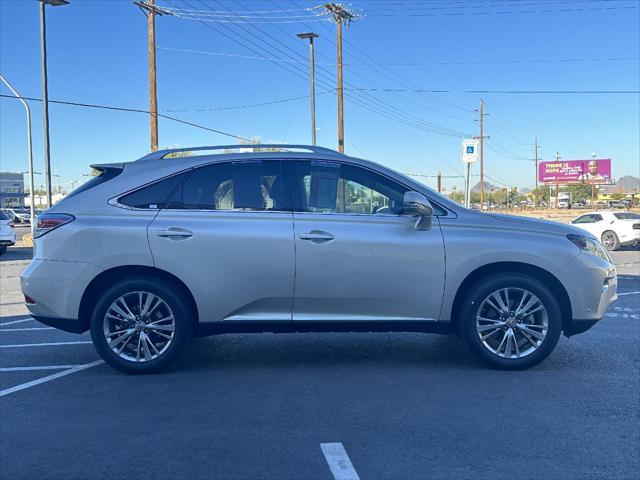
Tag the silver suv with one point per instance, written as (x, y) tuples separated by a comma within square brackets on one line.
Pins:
[(301, 239)]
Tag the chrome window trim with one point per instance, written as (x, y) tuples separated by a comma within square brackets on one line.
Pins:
[(113, 201)]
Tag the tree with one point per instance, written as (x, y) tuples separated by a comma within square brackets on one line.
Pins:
[(579, 192)]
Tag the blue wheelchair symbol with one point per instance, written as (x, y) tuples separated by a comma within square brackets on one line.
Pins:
[(469, 148)]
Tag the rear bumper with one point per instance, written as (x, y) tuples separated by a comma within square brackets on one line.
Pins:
[(7, 243), (56, 287), (70, 325)]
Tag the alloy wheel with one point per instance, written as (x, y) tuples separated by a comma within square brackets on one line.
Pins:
[(139, 326), (512, 323), (609, 240)]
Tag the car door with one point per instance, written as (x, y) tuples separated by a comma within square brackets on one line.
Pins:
[(357, 257), (227, 232)]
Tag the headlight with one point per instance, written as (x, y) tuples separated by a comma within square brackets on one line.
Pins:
[(590, 245)]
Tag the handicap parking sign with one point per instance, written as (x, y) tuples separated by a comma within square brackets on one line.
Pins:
[(469, 150)]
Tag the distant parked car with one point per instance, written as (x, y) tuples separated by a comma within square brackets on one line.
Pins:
[(563, 204), (18, 215), (7, 235), (614, 229)]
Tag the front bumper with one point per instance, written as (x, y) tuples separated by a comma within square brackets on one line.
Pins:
[(591, 283)]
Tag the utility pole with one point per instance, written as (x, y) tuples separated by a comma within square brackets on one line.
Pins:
[(340, 15), (558, 157), (481, 153), (150, 10), (439, 182), (153, 97), (311, 36), (45, 92), (536, 160)]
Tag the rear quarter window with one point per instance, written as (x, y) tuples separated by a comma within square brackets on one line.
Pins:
[(153, 196)]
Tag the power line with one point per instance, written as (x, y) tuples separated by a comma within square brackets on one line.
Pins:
[(250, 105), (132, 110), (379, 107)]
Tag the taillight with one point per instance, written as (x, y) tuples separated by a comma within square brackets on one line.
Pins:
[(50, 221)]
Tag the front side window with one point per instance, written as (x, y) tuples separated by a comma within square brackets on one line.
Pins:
[(597, 217), (325, 187), (584, 219), (252, 185)]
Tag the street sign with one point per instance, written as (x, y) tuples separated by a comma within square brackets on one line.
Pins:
[(469, 150)]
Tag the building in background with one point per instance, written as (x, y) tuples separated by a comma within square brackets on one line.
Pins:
[(11, 190)]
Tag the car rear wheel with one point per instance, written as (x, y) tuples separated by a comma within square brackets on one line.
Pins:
[(511, 321), (3, 249), (140, 325), (610, 240)]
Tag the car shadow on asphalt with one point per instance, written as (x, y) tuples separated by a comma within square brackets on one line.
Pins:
[(325, 350), (17, 253)]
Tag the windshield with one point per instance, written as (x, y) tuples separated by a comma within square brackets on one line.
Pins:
[(3, 216), (627, 216)]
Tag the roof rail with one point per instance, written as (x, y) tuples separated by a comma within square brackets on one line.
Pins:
[(160, 154)]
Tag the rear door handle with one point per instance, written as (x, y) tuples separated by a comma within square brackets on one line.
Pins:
[(174, 232), (316, 236)]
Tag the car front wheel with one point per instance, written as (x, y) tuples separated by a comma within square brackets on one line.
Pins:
[(140, 325), (511, 321)]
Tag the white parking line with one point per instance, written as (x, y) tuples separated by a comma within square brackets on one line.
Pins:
[(40, 367), (48, 378), (25, 329), (338, 461), (43, 344), (628, 293), (17, 321)]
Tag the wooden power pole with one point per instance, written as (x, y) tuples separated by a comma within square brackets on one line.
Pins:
[(153, 97), (481, 154), (439, 182), (340, 15), (150, 9)]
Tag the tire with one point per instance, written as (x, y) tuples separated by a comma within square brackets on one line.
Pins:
[(129, 331), (3, 249), (478, 317), (610, 240)]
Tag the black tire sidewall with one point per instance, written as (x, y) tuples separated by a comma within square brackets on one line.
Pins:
[(482, 290), (3, 250), (183, 324), (616, 245)]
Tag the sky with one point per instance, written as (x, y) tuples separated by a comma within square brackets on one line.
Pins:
[(209, 64)]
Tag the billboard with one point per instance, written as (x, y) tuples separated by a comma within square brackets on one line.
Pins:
[(596, 171)]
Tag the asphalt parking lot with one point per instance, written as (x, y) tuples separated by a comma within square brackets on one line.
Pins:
[(264, 406)]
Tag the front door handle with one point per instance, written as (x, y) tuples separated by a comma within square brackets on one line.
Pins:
[(316, 236), (174, 232)]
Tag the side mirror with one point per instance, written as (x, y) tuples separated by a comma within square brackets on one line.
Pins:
[(417, 204)]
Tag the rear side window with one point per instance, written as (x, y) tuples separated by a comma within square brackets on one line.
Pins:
[(627, 216), (155, 195), (253, 185)]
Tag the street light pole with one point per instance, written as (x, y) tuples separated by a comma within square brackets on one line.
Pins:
[(29, 146), (45, 91), (311, 36)]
